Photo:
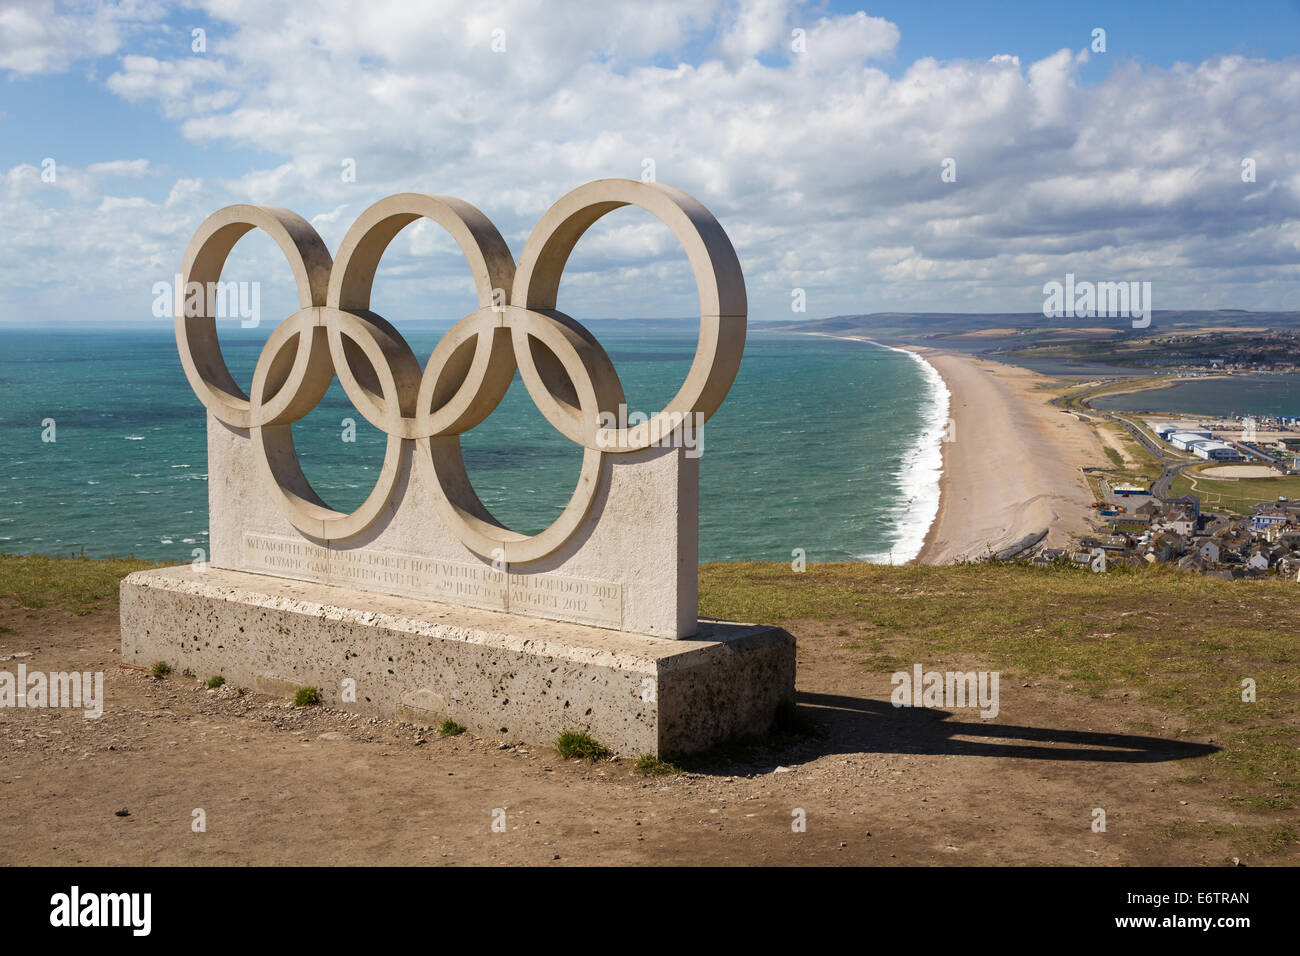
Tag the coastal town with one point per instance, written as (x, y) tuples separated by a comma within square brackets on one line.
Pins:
[(1216, 533)]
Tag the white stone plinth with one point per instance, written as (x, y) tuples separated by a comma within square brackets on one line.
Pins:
[(499, 674)]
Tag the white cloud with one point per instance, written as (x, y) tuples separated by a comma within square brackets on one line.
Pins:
[(41, 36), (823, 168), (195, 85), (124, 168), (837, 42), (756, 27)]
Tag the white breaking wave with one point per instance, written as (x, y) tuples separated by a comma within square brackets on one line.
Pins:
[(918, 478)]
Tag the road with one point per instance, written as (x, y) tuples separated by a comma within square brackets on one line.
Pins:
[(1160, 487), (1172, 466)]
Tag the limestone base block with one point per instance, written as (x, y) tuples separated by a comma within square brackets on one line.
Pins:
[(500, 675)]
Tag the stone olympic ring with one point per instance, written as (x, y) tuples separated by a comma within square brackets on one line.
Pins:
[(516, 325)]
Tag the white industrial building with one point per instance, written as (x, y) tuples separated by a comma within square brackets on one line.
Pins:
[(1215, 451), (1184, 440), (1162, 429)]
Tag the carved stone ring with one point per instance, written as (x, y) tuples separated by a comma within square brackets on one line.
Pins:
[(516, 325)]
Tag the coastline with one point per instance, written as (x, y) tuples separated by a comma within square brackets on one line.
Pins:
[(927, 468), (1015, 465), (922, 474), (1009, 464)]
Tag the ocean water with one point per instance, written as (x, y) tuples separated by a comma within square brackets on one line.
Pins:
[(1271, 395), (827, 445)]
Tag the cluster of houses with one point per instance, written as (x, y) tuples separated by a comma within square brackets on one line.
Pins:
[(1174, 531)]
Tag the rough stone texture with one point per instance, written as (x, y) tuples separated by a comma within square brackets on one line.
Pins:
[(498, 674), (639, 542)]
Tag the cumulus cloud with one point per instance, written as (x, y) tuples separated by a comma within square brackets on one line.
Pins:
[(823, 165), (182, 88), (42, 36), (834, 43)]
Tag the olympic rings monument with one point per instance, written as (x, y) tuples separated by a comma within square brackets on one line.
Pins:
[(419, 604)]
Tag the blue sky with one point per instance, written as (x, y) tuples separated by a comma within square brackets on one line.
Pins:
[(1158, 32), (823, 164)]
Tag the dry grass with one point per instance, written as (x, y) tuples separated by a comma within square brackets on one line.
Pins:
[(80, 585), (1181, 643)]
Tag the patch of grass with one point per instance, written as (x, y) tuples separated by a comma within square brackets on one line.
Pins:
[(885, 664), (306, 697), (574, 743), (215, 682), (1233, 494), (160, 669), (450, 728), (1101, 635), (1134, 462), (1262, 802), (648, 765), (1253, 840), (79, 585)]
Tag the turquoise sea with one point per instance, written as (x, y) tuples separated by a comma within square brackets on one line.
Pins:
[(823, 444)]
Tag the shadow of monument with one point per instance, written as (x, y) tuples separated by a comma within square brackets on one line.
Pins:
[(835, 724)]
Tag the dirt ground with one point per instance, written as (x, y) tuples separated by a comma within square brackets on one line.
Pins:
[(877, 785)]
